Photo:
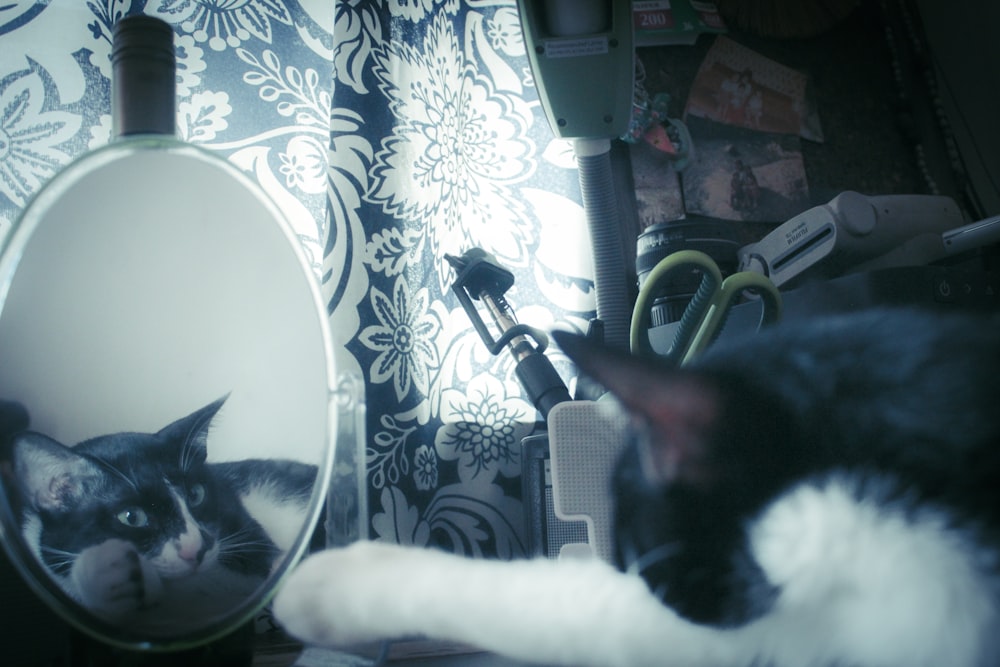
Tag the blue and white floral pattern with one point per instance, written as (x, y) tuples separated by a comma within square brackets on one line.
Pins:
[(457, 147), (391, 133), (404, 339), (33, 130), (223, 25)]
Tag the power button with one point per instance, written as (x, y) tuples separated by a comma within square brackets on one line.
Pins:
[(945, 290)]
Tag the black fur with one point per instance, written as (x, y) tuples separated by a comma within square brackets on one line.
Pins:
[(904, 402)]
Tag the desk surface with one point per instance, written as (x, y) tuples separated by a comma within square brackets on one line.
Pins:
[(296, 656)]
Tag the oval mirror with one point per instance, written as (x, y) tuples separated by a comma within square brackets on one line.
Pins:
[(165, 393)]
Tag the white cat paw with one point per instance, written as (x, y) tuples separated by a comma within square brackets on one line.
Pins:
[(111, 582), (345, 597)]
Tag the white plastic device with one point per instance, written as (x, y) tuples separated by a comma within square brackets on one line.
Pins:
[(586, 439), (854, 232)]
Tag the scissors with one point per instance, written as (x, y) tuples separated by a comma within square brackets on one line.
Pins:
[(706, 314)]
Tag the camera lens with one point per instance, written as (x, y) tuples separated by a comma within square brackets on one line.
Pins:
[(717, 239)]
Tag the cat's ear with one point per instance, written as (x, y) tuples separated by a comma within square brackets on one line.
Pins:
[(677, 411), (51, 476), (191, 432)]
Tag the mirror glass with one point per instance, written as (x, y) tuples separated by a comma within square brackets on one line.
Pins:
[(165, 386)]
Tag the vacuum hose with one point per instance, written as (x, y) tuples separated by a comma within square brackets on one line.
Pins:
[(597, 187)]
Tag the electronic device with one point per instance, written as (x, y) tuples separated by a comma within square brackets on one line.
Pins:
[(927, 248), (582, 58), (546, 532), (581, 54), (719, 239), (586, 439), (854, 232)]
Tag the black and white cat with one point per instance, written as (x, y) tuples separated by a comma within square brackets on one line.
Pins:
[(143, 532), (821, 494)]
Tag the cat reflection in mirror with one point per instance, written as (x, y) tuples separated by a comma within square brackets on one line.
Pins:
[(140, 529), (822, 494)]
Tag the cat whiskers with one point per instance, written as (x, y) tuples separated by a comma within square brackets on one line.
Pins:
[(238, 541), (58, 560), (247, 551), (636, 564)]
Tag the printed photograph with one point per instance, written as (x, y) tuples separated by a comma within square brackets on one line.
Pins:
[(739, 174), (738, 86)]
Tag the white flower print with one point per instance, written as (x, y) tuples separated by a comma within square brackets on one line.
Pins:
[(203, 117), (483, 428), (404, 339), (358, 29), (386, 456), (190, 64), (30, 136), (416, 10), (400, 522), (390, 251), (457, 148), (297, 94), (504, 30), (425, 469), (303, 164), (223, 23)]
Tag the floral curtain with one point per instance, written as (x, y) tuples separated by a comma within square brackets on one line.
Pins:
[(440, 145), (391, 133)]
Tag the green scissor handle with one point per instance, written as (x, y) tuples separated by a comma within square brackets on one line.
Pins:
[(705, 316)]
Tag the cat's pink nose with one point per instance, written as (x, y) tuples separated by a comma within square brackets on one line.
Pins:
[(189, 548)]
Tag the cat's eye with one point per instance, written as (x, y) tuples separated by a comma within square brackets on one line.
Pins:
[(133, 517), (196, 495)]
